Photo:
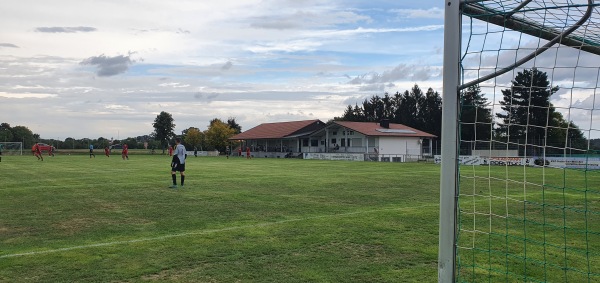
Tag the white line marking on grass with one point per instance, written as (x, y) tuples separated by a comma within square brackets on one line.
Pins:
[(204, 232)]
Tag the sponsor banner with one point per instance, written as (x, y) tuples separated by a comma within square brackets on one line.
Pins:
[(507, 161), (335, 156), (570, 162), (592, 163), (463, 159)]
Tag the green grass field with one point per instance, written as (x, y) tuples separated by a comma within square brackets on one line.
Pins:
[(72, 218), (513, 229)]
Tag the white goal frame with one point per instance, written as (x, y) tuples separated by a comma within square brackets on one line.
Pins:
[(574, 36), (6, 145)]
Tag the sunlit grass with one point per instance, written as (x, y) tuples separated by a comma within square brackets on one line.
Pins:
[(72, 218)]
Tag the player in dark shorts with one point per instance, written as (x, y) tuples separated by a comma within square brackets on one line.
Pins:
[(178, 163)]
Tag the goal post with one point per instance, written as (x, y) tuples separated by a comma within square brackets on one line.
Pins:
[(520, 166), (11, 148)]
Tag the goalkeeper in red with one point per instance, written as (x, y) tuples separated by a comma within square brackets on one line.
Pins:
[(178, 163)]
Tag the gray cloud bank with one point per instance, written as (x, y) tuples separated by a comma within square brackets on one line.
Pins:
[(8, 45), (65, 29), (109, 66)]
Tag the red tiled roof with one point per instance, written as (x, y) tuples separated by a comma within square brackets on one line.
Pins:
[(275, 130), (375, 129)]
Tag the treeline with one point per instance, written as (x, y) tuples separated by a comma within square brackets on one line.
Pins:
[(28, 138), (527, 116), (414, 108), (215, 137)]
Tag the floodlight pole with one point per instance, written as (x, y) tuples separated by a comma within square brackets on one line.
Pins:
[(449, 167)]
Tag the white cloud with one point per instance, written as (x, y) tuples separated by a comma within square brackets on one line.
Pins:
[(26, 95), (431, 13), (256, 60)]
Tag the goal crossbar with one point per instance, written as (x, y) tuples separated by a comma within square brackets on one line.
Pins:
[(508, 18)]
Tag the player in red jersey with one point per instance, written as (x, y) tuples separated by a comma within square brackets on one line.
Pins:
[(37, 152), (125, 152), (106, 151)]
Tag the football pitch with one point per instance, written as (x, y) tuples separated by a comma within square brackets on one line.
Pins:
[(72, 218)]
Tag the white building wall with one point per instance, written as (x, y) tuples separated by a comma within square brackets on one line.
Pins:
[(399, 145)]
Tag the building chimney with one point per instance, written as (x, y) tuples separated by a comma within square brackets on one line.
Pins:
[(385, 123)]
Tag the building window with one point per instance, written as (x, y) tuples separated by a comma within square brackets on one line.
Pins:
[(305, 142), (334, 133), (333, 141), (314, 142)]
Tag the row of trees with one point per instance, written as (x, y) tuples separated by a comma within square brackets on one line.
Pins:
[(214, 138), (527, 115), (413, 108), (28, 138), (17, 134)]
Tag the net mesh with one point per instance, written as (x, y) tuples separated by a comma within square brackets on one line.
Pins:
[(529, 184), (11, 148)]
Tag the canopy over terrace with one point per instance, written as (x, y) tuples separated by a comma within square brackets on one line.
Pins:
[(278, 137)]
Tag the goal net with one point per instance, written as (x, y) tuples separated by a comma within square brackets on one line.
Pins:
[(11, 148), (520, 162)]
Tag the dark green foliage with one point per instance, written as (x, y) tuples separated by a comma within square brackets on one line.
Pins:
[(234, 125), (475, 116), (163, 128), (530, 118), (412, 108)]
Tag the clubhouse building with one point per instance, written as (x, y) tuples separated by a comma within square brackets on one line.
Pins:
[(337, 140)]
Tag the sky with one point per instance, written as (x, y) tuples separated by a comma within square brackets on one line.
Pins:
[(89, 69), (108, 68)]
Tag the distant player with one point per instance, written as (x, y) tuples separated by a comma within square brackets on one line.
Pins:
[(227, 151), (92, 151), (37, 152), (178, 163), (1, 145), (247, 152), (107, 151), (170, 150), (125, 152), (51, 151)]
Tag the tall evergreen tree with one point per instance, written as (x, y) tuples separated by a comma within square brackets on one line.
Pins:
[(412, 108), (407, 111), (527, 106), (431, 110), (530, 117), (475, 115)]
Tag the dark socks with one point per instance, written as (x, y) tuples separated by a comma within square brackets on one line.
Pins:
[(182, 179), (174, 179)]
